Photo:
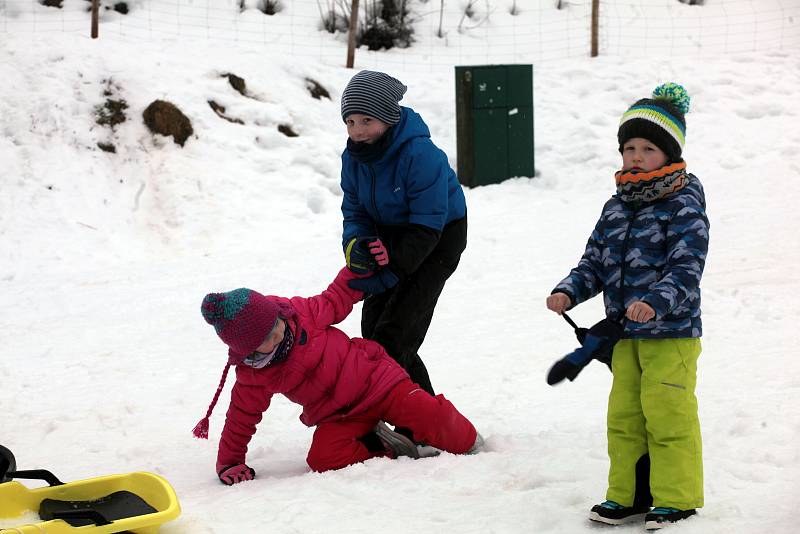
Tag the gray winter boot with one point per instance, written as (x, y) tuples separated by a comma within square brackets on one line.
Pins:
[(396, 444), (477, 446)]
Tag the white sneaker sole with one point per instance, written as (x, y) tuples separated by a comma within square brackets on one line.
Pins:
[(428, 451), (654, 525), (594, 516)]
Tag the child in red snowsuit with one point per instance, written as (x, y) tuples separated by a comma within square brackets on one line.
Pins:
[(346, 387)]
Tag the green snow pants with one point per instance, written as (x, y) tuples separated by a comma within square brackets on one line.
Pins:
[(652, 410)]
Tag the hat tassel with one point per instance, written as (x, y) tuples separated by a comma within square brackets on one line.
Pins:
[(200, 430)]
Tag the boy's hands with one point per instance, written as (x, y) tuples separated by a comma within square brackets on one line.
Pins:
[(640, 312), (379, 252), (558, 302), (365, 254), (359, 256)]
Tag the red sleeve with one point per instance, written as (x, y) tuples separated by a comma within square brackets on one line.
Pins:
[(248, 404), (334, 304)]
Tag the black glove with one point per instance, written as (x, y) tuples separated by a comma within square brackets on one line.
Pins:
[(597, 343), (377, 283), (358, 256)]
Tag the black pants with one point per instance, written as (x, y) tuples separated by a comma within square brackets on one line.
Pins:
[(399, 318)]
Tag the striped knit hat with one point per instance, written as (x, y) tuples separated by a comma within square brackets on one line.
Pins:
[(374, 94), (659, 119)]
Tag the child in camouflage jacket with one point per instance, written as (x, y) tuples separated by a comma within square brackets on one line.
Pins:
[(646, 254)]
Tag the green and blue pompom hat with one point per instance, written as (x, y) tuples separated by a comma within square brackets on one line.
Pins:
[(659, 119)]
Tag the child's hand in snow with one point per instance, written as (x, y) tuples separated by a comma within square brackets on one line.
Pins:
[(233, 474)]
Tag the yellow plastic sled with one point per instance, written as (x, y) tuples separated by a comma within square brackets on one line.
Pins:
[(135, 502)]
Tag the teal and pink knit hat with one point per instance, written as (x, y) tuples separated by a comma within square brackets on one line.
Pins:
[(659, 119), (243, 319)]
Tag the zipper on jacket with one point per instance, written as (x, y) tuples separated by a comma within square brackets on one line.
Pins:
[(374, 180), (624, 255)]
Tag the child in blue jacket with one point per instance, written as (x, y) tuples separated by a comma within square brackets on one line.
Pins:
[(405, 217), (646, 254)]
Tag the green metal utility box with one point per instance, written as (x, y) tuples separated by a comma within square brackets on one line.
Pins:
[(494, 123)]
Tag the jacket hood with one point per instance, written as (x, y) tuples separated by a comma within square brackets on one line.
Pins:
[(410, 126)]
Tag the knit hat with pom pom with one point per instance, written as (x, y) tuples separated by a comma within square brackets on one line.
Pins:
[(243, 319), (659, 119)]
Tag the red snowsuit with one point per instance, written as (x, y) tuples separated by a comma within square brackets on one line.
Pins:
[(344, 385)]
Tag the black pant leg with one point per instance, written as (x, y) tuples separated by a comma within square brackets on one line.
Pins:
[(371, 311), (388, 319), (404, 321), (399, 319)]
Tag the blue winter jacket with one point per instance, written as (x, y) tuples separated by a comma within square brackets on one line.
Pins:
[(411, 183), (654, 253)]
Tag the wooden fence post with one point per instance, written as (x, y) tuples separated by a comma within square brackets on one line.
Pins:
[(595, 25), (351, 38), (95, 18)]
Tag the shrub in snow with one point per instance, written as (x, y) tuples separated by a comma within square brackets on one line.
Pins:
[(111, 113), (386, 25), (119, 7), (332, 20), (165, 118), (471, 14), (268, 7)]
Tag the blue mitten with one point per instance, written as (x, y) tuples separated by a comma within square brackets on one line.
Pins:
[(377, 283), (597, 343)]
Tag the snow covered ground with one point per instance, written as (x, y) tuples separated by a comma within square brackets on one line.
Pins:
[(106, 363)]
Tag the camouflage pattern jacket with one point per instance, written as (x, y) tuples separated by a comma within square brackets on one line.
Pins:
[(652, 252)]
